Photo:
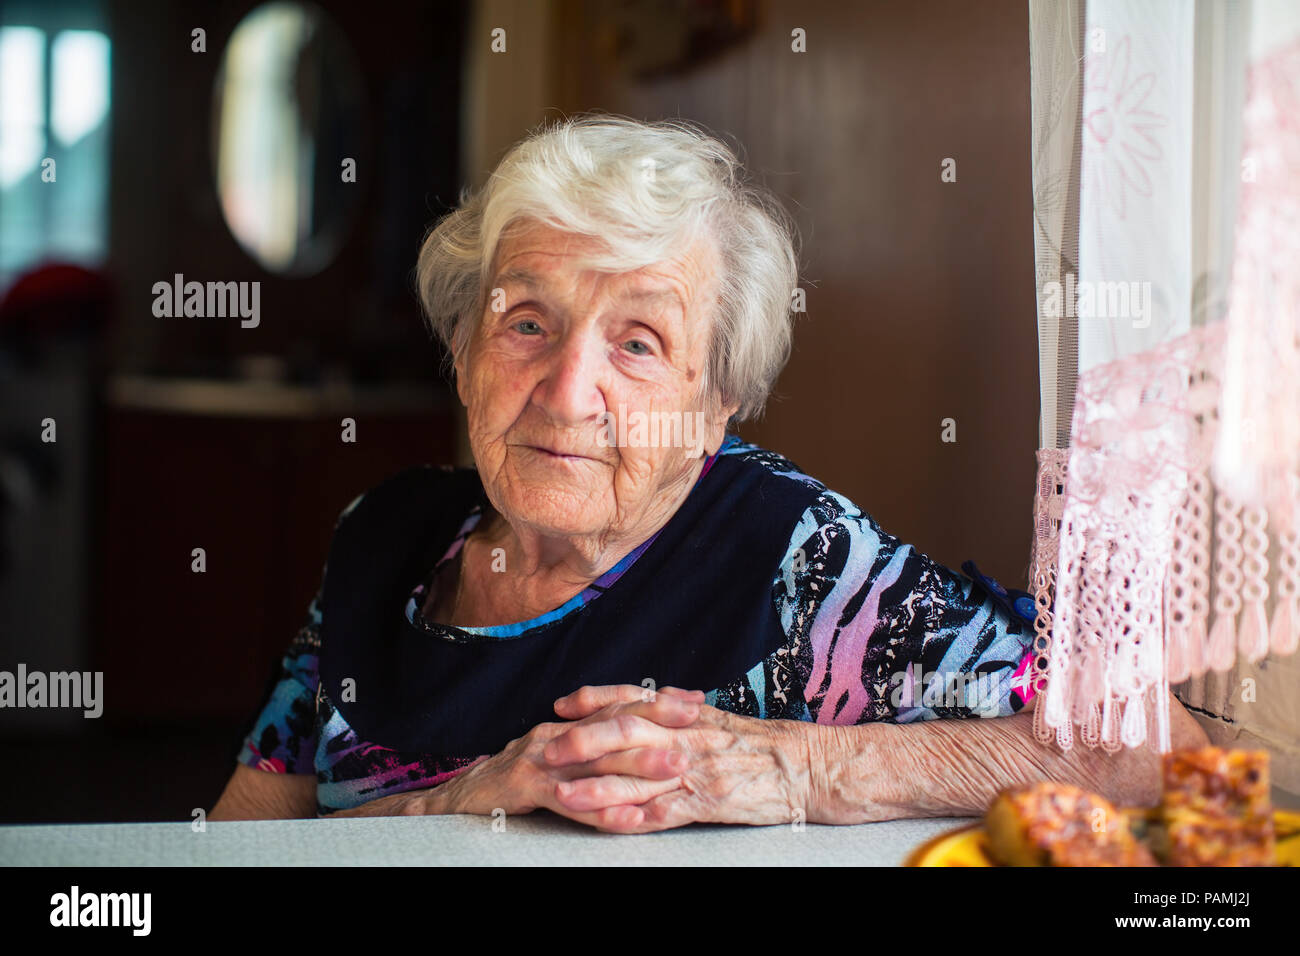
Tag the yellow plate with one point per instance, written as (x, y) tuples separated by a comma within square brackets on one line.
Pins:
[(967, 846)]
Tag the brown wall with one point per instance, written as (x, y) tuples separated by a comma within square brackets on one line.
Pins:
[(920, 293)]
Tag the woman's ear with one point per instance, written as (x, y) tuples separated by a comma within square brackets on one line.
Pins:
[(458, 363), (724, 413), (720, 415)]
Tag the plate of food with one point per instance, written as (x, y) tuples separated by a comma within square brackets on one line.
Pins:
[(1214, 810)]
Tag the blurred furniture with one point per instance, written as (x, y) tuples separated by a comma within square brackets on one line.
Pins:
[(52, 325), (255, 474)]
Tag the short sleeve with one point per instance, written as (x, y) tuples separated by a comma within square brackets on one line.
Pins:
[(878, 631), (283, 737)]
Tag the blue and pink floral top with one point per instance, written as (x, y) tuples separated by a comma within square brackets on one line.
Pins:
[(786, 597)]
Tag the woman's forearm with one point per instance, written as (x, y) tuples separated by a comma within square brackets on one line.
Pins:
[(956, 767), (410, 803)]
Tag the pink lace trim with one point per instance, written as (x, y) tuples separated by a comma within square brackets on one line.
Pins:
[(1154, 531)]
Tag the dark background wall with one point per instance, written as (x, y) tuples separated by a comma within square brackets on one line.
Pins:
[(166, 445)]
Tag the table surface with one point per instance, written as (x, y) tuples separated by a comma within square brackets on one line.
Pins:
[(536, 839)]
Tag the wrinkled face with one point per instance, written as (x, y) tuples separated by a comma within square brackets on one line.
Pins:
[(573, 382)]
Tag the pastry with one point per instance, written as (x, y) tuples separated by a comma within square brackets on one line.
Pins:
[(1057, 824), (1215, 809)]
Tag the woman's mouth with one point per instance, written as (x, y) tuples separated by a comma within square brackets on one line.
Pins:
[(561, 456)]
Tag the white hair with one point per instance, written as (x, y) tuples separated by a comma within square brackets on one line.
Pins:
[(647, 191)]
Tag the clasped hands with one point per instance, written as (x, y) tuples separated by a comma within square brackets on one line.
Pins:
[(630, 760)]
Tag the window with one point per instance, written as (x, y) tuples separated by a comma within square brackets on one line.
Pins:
[(55, 101)]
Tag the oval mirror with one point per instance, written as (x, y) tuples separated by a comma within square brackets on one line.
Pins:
[(287, 124)]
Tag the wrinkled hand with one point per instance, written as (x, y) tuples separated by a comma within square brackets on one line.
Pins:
[(732, 770), (520, 779)]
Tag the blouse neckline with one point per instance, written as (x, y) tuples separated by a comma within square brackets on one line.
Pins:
[(469, 634)]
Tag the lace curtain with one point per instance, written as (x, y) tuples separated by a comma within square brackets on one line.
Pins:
[(1167, 234)]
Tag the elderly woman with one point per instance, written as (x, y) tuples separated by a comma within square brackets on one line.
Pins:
[(624, 613)]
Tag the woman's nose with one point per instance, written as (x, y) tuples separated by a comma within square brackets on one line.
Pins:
[(570, 389)]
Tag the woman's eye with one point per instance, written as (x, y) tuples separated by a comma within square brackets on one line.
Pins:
[(528, 327), (641, 347)]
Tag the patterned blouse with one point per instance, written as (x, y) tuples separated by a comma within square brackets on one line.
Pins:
[(870, 630)]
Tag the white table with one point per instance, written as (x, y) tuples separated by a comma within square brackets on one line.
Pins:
[(534, 839)]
